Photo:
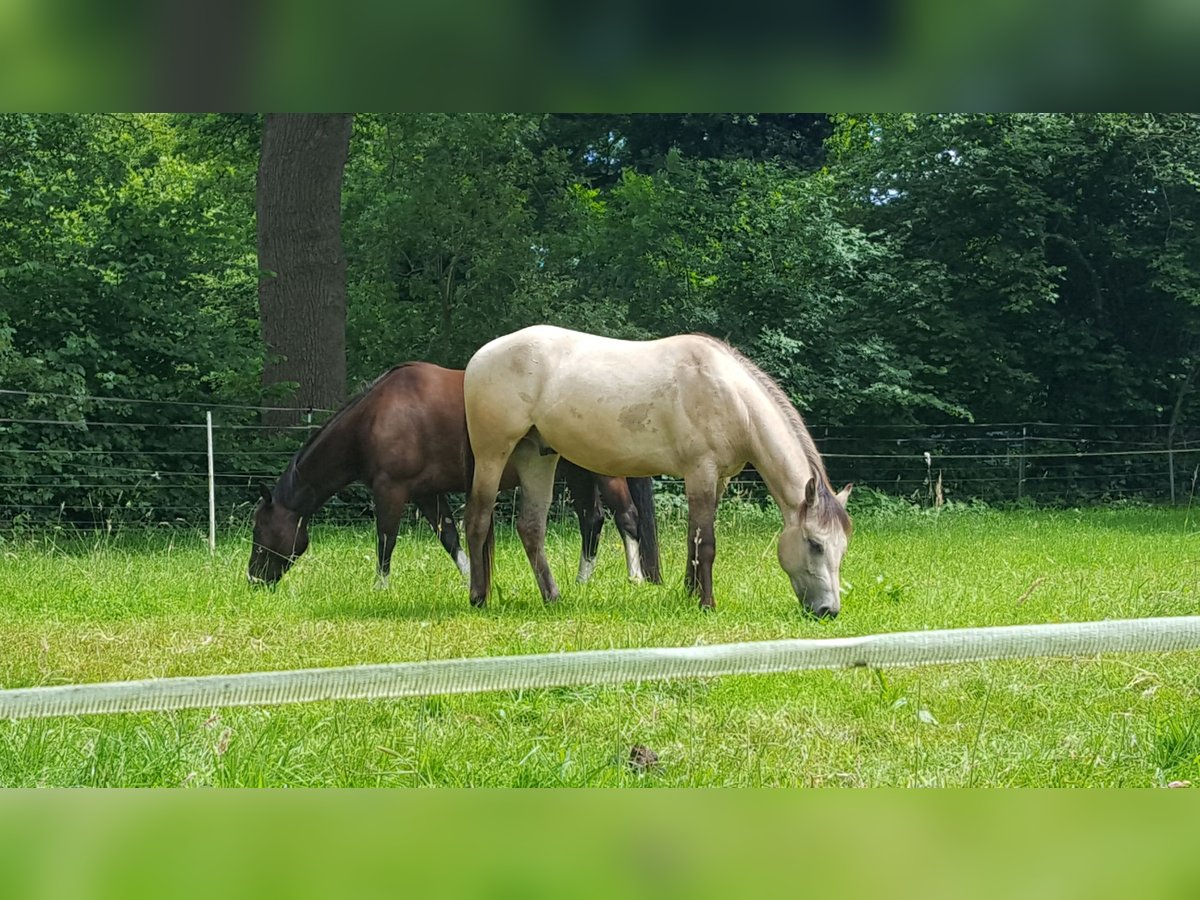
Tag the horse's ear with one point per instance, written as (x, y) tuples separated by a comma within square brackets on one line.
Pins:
[(844, 493), (810, 491), (266, 494)]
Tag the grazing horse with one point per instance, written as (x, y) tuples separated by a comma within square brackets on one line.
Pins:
[(405, 437), (689, 406)]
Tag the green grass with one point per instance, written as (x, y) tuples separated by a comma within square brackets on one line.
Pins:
[(139, 606)]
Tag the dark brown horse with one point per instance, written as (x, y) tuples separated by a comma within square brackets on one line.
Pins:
[(405, 437)]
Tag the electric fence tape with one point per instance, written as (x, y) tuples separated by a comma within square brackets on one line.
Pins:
[(469, 676)]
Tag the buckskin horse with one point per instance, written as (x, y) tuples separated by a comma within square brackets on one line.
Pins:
[(689, 406), (405, 437)]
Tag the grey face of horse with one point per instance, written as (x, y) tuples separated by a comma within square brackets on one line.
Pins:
[(811, 553), (280, 537)]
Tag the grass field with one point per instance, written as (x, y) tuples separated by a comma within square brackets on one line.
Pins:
[(144, 605)]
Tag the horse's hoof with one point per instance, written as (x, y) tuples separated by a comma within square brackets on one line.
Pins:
[(550, 601), (708, 606), (479, 602)]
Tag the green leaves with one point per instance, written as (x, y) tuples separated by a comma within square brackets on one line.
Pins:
[(1032, 237), (910, 268), (442, 234), (123, 272)]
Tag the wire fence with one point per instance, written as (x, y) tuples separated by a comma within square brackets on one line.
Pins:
[(125, 464), (1045, 462)]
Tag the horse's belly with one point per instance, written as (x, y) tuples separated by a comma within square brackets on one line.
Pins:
[(609, 449)]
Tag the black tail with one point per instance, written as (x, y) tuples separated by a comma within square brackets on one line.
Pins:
[(642, 492)]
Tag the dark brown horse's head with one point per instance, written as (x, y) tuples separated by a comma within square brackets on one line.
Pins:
[(280, 537)]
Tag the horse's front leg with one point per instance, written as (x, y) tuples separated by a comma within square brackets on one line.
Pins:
[(536, 473), (390, 500), (436, 511), (702, 542)]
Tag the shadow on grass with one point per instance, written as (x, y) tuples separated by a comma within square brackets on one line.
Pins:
[(643, 605)]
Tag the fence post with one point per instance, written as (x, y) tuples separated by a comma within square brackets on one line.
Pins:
[(929, 476), (212, 492), (1021, 466), (1171, 472), (1171, 460)]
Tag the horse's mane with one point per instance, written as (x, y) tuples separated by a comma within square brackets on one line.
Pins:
[(792, 417), (290, 489)]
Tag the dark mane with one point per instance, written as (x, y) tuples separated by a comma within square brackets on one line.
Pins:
[(799, 429), (291, 490)]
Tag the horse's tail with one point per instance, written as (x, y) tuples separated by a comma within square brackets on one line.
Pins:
[(641, 490)]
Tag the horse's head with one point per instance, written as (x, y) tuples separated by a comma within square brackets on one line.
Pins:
[(811, 552), (280, 536)]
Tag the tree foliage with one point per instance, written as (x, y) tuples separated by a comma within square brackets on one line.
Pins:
[(1058, 254), (885, 268), (123, 273), (443, 233)]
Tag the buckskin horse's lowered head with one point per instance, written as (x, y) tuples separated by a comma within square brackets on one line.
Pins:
[(280, 537), (811, 552)]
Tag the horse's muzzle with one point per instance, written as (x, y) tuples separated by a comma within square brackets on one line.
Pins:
[(824, 610)]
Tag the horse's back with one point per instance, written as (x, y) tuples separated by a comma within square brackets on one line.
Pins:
[(614, 406), (420, 379), (560, 358), (421, 392)]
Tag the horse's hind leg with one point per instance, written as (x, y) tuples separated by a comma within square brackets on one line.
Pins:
[(437, 513), (536, 473), (479, 525), (615, 492), (702, 543), (581, 484), (390, 500)]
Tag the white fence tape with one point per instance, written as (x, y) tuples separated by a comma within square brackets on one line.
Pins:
[(468, 676)]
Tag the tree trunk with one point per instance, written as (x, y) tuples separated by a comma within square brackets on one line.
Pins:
[(302, 281)]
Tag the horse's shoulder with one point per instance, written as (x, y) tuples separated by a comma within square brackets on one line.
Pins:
[(700, 339), (701, 349)]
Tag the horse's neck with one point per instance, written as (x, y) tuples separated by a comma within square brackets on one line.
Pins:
[(318, 472), (780, 458)]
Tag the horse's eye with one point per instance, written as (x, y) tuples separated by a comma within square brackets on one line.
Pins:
[(815, 546)]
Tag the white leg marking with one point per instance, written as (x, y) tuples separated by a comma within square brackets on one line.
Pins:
[(586, 567), (464, 564), (633, 560)]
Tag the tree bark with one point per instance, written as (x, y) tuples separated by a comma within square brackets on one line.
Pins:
[(302, 280)]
